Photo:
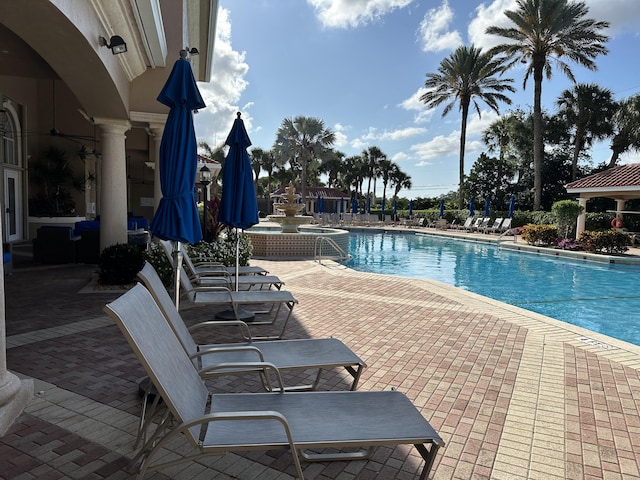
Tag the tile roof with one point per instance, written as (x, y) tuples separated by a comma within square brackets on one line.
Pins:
[(621, 177)]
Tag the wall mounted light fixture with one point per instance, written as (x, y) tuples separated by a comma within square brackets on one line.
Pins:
[(116, 44)]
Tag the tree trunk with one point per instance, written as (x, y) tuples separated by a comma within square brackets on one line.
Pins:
[(463, 137), (538, 143)]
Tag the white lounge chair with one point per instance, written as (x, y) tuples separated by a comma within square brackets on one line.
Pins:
[(221, 423)]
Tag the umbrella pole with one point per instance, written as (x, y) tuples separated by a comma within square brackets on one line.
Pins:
[(237, 258), (177, 263)]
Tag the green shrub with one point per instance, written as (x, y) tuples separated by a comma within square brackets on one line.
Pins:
[(156, 257), (566, 213), (222, 250), (605, 241), (119, 264), (542, 235)]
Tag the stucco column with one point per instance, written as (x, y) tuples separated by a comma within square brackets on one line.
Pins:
[(14, 393), (113, 191), (582, 217), (620, 208), (156, 129)]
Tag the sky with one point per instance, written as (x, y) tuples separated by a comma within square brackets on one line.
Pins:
[(360, 67)]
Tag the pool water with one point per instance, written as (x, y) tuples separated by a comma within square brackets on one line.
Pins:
[(600, 297)]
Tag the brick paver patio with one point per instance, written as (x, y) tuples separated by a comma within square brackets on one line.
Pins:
[(515, 395)]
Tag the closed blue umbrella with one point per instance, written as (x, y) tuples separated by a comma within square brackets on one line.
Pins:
[(238, 205), (411, 209), (442, 208), (319, 202), (354, 205), (472, 207), (341, 205), (487, 207), (512, 206), (383, 209), (176, 218)]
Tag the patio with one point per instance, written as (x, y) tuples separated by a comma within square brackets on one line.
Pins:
[(515, 395)]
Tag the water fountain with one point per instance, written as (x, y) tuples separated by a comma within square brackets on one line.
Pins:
[(292, 237), (290, 221)]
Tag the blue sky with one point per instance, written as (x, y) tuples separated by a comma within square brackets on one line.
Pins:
[(360, 66)]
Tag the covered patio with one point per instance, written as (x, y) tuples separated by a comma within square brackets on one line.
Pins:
[(620, 183)]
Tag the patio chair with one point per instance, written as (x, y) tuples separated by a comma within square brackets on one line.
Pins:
[(492, 228), (476, 224), (209, 268), (225, 297), (467, 223), (504, 226), (316, 353), (259, 421)]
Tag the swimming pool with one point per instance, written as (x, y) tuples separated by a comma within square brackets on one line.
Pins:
[(601, 297)]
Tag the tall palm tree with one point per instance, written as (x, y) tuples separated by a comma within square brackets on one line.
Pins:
[(387, 168), (400, 180), (302, 141), (372, 158), (467, 75), (626, 125), (588, 110), (543, 32)]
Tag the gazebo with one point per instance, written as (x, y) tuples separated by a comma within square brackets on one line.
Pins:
[(620, 183)]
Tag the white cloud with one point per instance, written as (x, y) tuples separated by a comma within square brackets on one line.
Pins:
[(353, 13), (393, 135), (487, 16), (223, 93), (424, 113), (623, 15), (444, 146), (433, 31), (477, 125)]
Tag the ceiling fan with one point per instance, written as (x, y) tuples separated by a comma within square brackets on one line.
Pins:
[(54, 132)]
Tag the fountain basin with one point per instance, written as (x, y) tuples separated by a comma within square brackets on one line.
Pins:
[(290, 224), (270, 241)]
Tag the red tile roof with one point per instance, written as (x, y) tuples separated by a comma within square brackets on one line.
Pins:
[(622, 177)]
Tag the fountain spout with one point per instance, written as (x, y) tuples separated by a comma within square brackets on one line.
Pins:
[(290, 221)]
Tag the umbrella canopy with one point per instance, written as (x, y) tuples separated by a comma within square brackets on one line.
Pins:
[(341, 205), (442, 208), (410, 208), (383, 209), (487, 207), (354, 205), (177, 216), (319, 204), (239, 204), (472, 207), (512, 206)]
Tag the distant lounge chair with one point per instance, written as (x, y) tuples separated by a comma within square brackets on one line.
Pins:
[(492, 228), (216, 424), (476, 223), (482, 225), (316, 353), (504, 226), (467, 223)]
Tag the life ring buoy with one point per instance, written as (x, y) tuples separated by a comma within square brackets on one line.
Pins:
[(616, 223)]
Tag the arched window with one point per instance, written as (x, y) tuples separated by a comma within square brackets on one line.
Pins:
[(8, 131)]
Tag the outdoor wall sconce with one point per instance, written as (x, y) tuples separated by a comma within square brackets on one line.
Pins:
[(116, 44), (205, 180), (193, 51)]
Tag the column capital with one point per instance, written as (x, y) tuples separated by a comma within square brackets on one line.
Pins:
[(112, 125)]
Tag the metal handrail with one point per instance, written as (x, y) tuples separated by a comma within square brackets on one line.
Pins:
[(321, 241)]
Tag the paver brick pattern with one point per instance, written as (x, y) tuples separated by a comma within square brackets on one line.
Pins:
[(511, 401)]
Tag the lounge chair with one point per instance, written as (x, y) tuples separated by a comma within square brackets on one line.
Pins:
[(467, 223), (209, 268), (226, 297), (492, 228), (320, 353), (479, 223), (259, 421), (504, 226)]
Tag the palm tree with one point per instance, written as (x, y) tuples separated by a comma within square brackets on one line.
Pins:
[(399, 180), (257, 155), (302, 141), (372, 158), (387, 168), (466, 75), (588, 110), (545, 31), (626, 123)]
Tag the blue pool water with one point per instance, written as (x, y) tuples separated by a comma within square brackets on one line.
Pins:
[(601, 297)]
